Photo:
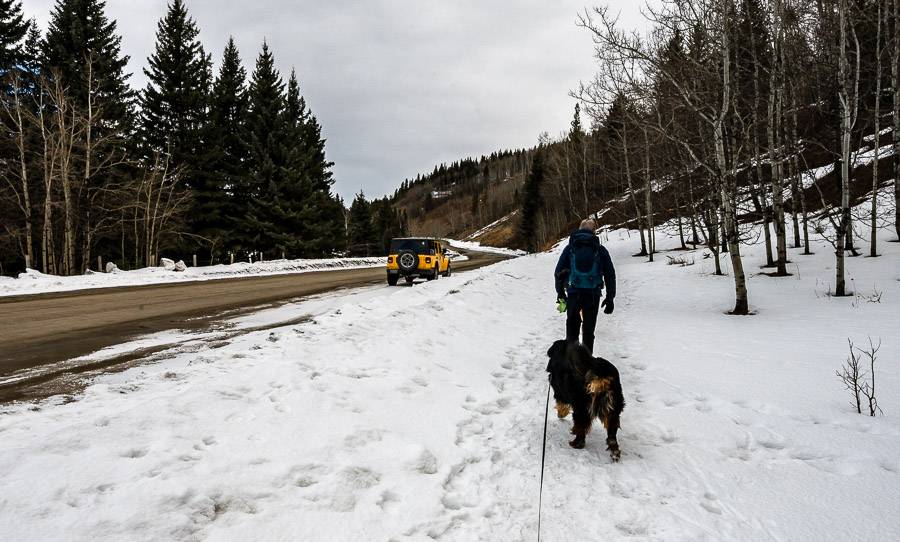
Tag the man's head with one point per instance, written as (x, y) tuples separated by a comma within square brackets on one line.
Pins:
[(588, 224)]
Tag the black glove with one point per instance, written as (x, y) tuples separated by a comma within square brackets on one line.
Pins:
[(561, 296), (608, 306)]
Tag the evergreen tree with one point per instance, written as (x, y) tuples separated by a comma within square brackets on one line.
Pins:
[(362, 239), (174, 104), (388, 223), (13, 28), (319, 219), (266, 133), (174, 117), (31, 49), (79, 30), (576, 164), (227, 138), (532, 203)]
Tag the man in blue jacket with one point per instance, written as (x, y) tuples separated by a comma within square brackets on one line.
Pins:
[(583, 268)]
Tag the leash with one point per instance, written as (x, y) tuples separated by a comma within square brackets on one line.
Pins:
[(543, 461)]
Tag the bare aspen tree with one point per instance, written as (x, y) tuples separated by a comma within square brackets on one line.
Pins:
[(873, 234), (66, 132), (848, 96), (648, 192), (801, 192), (728, 185), (631, 190), (15, 111), (895, 85), (758, 189), (776, 84), (158, 201), (48, 256)]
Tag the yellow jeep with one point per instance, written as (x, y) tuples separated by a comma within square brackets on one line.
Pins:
[(412, 257)]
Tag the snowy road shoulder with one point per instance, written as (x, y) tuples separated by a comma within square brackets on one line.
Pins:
[(364, 409)]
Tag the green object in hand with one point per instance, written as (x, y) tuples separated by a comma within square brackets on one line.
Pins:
[(561, 305)]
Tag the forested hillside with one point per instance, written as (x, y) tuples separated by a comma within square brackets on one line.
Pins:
[(219, 165), (457, 199)]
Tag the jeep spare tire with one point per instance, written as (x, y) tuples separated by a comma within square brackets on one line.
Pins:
[(407, 261)]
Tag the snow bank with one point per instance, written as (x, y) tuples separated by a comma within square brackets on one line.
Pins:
[(35, 282), (416, 413)]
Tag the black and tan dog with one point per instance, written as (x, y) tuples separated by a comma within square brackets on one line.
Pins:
[(589, 387)]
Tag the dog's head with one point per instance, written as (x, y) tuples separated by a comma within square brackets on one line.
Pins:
[(557, 350), (571, 357)]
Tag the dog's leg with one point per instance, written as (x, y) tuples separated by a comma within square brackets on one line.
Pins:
[(612, 429), (582, 425), (562, 410)]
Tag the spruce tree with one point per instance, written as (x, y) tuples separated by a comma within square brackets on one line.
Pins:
[(174, 115), (362, 239), (532, 202), (79, 30), (576, 164), (13, 28), (318, 218), (268, 154), (227, 139), (31, 49), (174, 104)]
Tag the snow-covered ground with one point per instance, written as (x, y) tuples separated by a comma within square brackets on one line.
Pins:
[(417, 414), (35, 282)]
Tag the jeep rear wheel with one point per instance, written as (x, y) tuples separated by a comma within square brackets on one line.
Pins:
[(407, 261), (392, 279)]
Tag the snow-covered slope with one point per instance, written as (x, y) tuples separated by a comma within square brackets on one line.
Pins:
[(476, 246), (416, 414)]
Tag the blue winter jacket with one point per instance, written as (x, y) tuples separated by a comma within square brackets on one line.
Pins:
[(605, 263)]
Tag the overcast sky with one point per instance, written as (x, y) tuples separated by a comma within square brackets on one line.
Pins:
[(399, 86)]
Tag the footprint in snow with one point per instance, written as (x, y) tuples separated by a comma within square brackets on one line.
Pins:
[(361, 438), (387, 500), (425, 462), (306, 475), (671, 402), (773, 442), (134, 453), (669, 436), (710, 503), (360, 477)]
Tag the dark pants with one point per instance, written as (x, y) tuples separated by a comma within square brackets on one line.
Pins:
[(582, 308)]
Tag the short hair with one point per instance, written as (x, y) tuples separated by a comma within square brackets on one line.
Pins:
[(588, 224)]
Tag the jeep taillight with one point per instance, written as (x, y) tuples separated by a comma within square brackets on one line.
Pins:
[(390, 259)]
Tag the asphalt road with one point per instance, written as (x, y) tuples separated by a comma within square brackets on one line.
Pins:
[(42, 329)]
